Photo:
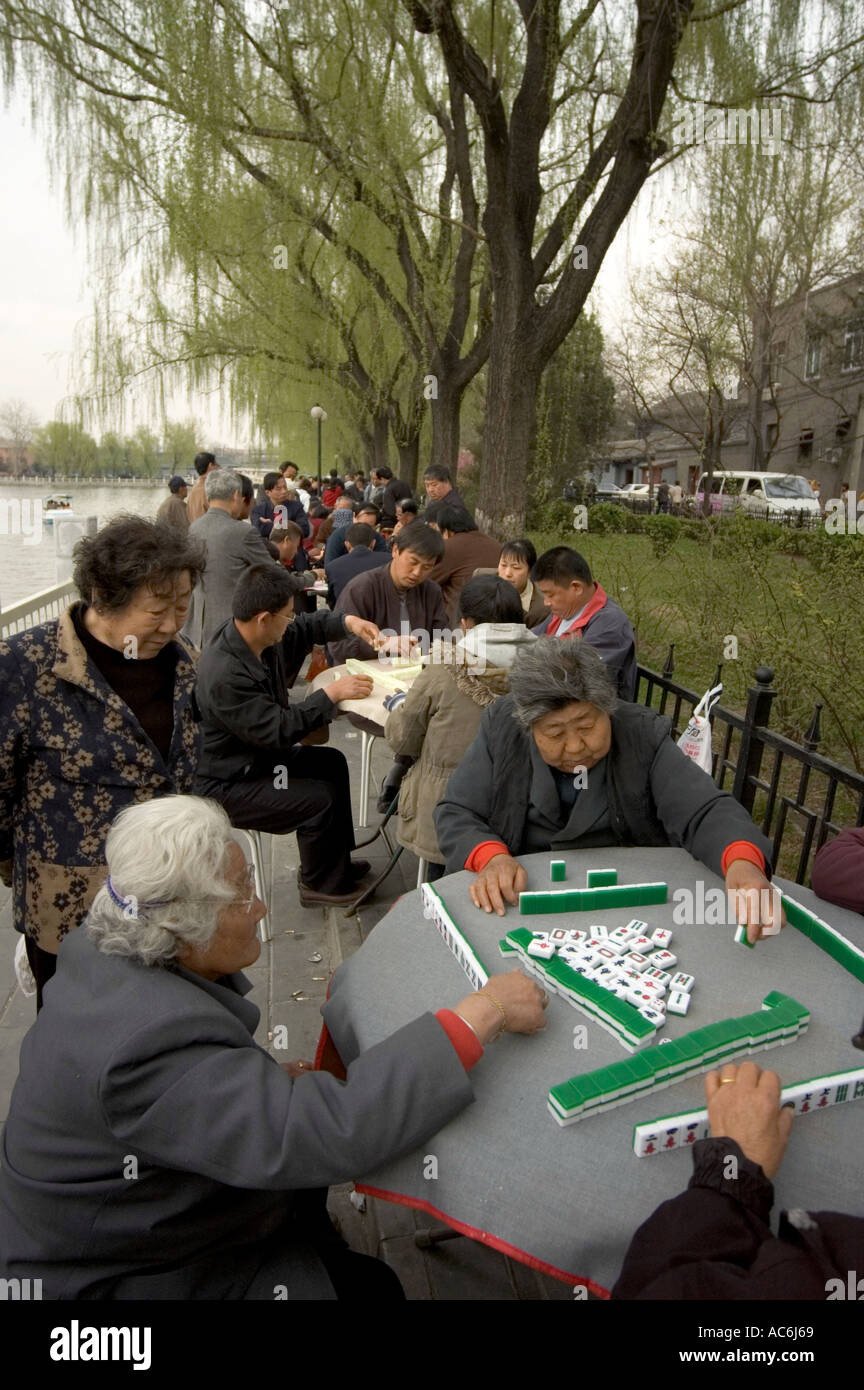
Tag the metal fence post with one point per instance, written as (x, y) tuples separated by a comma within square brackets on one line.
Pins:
[(759, 700)]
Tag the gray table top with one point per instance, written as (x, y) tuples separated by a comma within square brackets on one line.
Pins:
[(568, 1200)]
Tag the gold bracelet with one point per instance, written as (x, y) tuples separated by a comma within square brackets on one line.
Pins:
[(482, 993)]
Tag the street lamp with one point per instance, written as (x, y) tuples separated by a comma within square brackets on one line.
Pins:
[(319, 414)]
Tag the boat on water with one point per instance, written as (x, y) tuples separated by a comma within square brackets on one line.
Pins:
[(57, 504)]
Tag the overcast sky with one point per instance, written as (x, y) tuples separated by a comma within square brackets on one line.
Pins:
[(45, 296)]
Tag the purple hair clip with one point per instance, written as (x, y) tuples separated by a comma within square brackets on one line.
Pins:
[(130, 904)]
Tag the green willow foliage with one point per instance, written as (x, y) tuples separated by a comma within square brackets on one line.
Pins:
[(197, 136)]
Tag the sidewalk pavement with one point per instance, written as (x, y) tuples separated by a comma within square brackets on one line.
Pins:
[(290, 984)]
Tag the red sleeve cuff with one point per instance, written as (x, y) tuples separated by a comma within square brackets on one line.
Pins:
[(742, 849), (463, 1038), (481, 854)]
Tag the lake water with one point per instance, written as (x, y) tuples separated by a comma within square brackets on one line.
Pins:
[(27, 559)]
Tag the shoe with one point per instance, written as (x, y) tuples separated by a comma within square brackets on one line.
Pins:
[(360, 868), (310, 897)]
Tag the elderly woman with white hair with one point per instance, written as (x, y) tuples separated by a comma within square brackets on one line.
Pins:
[(562, 763), (152, 1149)]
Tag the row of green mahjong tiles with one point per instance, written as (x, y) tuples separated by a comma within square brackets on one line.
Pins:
[(780, 1020)]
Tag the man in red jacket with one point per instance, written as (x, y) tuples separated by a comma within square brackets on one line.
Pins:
[(581, 608)]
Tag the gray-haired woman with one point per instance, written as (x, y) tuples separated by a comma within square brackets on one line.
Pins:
[(561, 763), (152, 1149)]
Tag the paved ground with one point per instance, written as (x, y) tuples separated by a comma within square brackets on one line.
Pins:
[(290, 980)]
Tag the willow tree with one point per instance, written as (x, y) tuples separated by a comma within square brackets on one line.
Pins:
[(424, 147), (357, 150), (577, 105)]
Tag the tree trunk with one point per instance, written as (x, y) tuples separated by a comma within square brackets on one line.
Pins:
[(409, 458), (380, 436), (509, 438), (445, 412)]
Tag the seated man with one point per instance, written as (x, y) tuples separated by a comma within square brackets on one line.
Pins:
[(358, 558), (714, 1241), (369, 514), (439, 486), (581, 608), (466, 549), (398, 596), (561, 763), (406, 512), (287, 540), (251, 759)]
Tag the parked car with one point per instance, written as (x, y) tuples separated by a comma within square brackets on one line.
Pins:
[(761, 494)]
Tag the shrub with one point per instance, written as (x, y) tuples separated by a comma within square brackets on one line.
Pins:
[(607, 517), (663, 531)]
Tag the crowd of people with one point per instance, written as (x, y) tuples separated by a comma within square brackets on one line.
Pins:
[(153, 719)]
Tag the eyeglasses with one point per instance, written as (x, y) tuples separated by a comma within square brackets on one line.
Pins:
[(249, 883)]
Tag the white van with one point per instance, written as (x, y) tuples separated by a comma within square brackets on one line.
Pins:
[(762, 494)]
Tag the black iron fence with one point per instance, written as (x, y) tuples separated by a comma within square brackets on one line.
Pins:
[(792, 792)]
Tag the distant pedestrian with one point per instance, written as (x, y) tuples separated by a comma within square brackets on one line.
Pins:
[(676, 497), (173, 509), (197, 503), (663, 502)]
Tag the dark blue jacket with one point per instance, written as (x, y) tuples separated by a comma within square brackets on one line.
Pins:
[(264, 515), (357, 561)]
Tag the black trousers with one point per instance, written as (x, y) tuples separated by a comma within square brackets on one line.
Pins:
[(42, 963), (313, 797)]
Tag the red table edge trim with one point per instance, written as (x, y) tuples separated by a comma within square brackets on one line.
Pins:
[(484, 1238)]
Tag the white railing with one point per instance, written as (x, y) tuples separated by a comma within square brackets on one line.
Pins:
[(38, 608)]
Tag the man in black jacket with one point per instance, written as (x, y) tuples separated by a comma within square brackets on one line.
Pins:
[(277, 503), (714, 1241), (252, 762), (393, 491)]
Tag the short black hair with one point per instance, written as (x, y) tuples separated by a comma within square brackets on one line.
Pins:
[(456, 519), (288, 531), (203, 462), (359, 534), (561, 565), (262, 589), (438, 472), (247, 489), (407, 504), (488, 599), (270, 481), (521, 550), (432, 512), (384, 472), (421, 540), (130, 552), (368, 507), (287, 464)]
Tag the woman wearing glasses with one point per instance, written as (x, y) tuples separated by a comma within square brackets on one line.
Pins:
[(153, 1149)]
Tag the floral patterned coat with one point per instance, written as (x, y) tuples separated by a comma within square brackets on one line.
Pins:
[(72, 756)]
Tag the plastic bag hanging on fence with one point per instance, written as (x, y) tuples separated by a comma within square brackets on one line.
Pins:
[(696, 738)]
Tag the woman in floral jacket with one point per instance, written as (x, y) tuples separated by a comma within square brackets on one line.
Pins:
[(95, 714)]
